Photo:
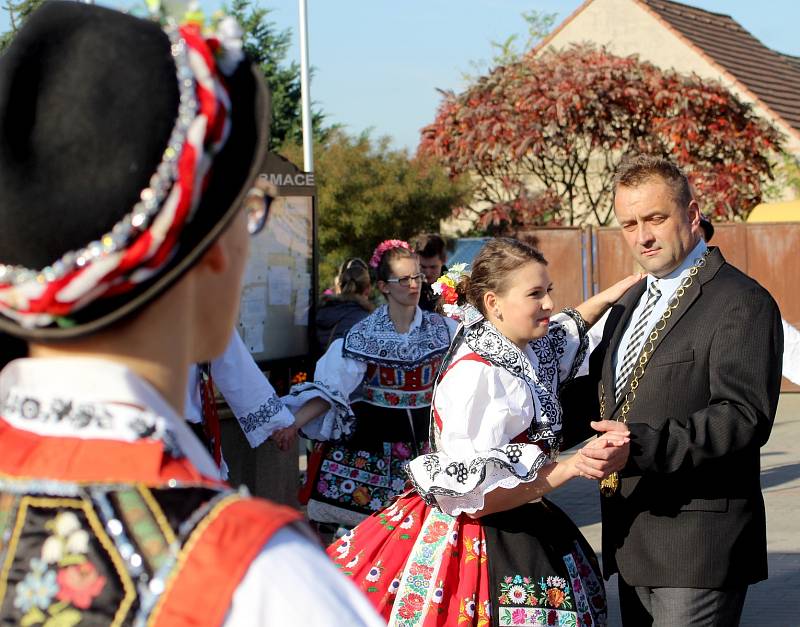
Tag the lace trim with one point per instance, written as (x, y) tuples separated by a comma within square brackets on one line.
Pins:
[(337, 424), (505, 466), (374, 340), (478, 473)]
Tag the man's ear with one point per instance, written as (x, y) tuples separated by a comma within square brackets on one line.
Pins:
[(694, 213), (215, 259)]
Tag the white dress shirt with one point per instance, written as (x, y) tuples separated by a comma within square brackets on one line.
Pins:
[(668, 285)]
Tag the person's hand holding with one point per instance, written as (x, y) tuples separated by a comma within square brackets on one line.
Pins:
[(285, 437), (609, 452)]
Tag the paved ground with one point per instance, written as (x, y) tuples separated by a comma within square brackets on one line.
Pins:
[(780, 479)]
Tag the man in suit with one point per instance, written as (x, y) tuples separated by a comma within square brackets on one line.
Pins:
[(690, 358)]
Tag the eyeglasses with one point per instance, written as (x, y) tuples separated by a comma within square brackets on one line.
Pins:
[(405, 281), (257, 203)]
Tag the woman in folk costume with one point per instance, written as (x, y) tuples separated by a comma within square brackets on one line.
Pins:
[(474, 543), (371, 395), (126, 149)]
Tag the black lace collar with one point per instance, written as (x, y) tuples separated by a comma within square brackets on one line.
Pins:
[(375, 340)]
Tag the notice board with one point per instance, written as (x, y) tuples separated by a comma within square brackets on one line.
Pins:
[(278, 288)]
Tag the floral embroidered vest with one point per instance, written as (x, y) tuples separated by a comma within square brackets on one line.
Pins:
[(126, 535), (394, 387)]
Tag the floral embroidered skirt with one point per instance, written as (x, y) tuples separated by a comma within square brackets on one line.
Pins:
[(420, 566), (362, 476)]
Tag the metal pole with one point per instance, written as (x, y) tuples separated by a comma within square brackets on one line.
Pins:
[(305, 97)]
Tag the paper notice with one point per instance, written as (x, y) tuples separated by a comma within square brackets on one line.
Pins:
[(279, 281)]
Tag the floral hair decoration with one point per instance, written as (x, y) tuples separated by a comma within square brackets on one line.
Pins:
[(445, 288), (383, 247)]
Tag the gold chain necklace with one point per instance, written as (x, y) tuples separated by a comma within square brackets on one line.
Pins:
[(610, 485)]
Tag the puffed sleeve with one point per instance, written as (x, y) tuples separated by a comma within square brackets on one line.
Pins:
[(251, 397), (567, 339), (480, 408), (336, 377)]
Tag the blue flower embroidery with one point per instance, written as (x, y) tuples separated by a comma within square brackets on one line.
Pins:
[(37, 589)]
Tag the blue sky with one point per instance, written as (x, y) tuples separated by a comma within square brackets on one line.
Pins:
[(378, 63)]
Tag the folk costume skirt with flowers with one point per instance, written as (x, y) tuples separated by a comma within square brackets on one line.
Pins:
[(421, 567), (362, 475)]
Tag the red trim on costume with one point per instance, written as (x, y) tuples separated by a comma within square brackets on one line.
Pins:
[(29, 455), (215, 566)]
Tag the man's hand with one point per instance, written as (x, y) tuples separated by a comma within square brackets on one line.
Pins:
[(606, 454), (285, 437)]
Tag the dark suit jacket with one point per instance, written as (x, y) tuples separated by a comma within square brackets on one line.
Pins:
[(690, 512)]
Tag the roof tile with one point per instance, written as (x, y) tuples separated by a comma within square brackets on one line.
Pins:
[(771, 76)]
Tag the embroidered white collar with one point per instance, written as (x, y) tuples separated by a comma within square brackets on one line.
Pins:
[(94, 399)]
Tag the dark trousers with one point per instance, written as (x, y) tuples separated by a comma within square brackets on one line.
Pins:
[(687, 607)]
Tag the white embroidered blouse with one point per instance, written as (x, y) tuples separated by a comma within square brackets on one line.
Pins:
[(341, 370), (492, 393)]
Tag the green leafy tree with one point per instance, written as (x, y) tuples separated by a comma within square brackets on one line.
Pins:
[(17, 13), (264, 42), (538, 26), (268, 47), (368, 192)]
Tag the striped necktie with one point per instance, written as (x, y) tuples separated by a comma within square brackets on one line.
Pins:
[(630, 360)]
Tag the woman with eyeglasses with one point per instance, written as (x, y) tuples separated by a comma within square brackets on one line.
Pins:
[(371, 395)]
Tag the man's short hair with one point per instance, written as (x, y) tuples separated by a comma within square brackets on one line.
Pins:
[(635, 170), (430, 245)]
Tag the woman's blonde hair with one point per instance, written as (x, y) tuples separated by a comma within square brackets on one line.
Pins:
[(353, 278)]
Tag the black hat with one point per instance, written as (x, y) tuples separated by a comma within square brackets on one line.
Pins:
[(124, 153), (707, 228)]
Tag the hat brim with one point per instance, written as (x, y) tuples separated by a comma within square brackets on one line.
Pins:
[(234, 171)]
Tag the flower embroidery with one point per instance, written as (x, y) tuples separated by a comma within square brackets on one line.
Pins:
[(554, 593), (80, 584), (362, 495), (374, 573), (517, 590), (435, 531), (408, 522), (398, 484), (467, 608), (394, 586), (421, 569), (353, 562), (375, 504), (37, 589), (410, 605), (63, 573)]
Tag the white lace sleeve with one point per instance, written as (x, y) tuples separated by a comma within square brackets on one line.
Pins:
[(481, 408), (251, 397), (567, 338), (336, 377)]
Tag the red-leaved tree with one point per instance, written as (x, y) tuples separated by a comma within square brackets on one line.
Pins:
[(542, 137)]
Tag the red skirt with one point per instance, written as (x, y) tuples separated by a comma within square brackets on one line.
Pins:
[(421, 567)]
